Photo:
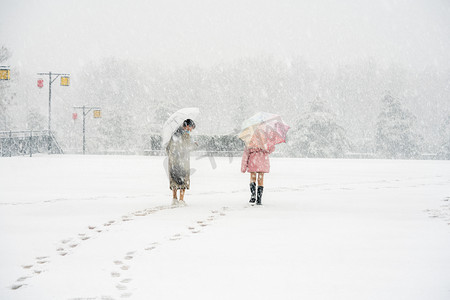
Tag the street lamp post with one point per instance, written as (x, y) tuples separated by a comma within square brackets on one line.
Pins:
[(50, 81), (5, 76), (86, 110)]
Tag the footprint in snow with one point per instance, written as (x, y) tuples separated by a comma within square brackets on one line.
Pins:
[(16, 286), (22, 278), (126, 295), (109, 223), (151, 246), (41, 262), (176, 237), (61, 251), (83, 236)]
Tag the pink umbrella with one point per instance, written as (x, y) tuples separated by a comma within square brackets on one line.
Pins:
[(263, 130)]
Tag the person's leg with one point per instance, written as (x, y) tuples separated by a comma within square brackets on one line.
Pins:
[(260, 179), (182, 194), (252, 187), (260, 188), (174, 196)]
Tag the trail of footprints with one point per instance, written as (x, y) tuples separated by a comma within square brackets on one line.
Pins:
[(67, 246), (121, 266), (443, 212)]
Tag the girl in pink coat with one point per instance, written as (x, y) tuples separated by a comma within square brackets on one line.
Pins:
[(256, 160)]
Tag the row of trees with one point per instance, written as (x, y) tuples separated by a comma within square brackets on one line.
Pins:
[(332, 111), (318, 134)]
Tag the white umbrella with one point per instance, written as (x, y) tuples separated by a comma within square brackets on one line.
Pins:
[(175, 121)]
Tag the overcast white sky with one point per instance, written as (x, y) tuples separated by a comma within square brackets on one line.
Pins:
[(62, 35)]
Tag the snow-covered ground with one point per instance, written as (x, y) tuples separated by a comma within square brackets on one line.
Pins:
[(101, 227)]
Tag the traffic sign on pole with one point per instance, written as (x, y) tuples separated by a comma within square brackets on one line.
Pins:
[(4, 73), (65, 80)]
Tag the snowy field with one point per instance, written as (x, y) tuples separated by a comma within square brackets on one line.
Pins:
[(101, 227)]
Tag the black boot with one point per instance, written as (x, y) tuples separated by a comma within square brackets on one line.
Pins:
[(259, 196), (253, 191)]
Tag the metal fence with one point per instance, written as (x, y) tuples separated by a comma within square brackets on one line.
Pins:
[(28, 142)]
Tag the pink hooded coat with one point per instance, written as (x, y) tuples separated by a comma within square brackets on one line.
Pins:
[(256, 160)]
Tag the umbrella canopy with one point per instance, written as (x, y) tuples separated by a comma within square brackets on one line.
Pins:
[(263, 130), (175, 121)]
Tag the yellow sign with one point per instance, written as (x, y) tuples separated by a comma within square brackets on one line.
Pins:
[(4, 74), (97, 113), (65, 80)]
